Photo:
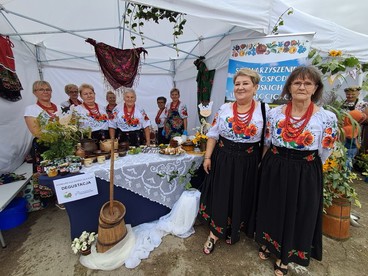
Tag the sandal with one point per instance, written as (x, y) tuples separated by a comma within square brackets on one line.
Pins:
[(228, 240), (209, 246), (279, 269), (263, 253)]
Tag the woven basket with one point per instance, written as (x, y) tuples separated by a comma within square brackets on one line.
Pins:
[(105, 145)]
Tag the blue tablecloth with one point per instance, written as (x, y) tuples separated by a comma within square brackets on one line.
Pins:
[(138, 185), (84, 213)]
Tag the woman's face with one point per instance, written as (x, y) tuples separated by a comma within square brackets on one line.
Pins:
[(73, 93), (174, 96), (302, 89), (88, 96), (129, 98), (111, 99), (244, 89), (43, 93), (351, 95)]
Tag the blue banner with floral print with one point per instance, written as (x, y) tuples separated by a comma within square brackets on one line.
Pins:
[(273, 57)]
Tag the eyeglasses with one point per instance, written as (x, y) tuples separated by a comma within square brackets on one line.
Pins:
[(307, 85), (44, 90)]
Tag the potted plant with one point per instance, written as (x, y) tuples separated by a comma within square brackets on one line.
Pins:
[(338, 192), (61, 135)]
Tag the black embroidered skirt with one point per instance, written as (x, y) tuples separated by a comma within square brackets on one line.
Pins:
[(228, 196), (290, 204)]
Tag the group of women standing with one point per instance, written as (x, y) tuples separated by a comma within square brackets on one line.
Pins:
[(276, 199), (126, 121)]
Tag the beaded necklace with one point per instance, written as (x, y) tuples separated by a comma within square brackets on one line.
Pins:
[(128, 115), (291, 129), (94, 111), (245, 118), (49, 109)]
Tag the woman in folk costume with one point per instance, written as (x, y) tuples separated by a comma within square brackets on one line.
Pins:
[(92, 115), (72, 91), (110, 107), (45, 110), (131, 121), (176, 116), (300, 138), (233, 153)]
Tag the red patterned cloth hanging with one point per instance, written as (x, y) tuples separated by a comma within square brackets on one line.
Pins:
[(10, 85), (118, 66)]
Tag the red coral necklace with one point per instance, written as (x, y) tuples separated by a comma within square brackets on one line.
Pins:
[(291, 129), (49, 109), (245, 118), (128, 115), (94, 111)]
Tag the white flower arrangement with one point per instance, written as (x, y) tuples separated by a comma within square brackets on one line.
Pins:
[(83, 242)]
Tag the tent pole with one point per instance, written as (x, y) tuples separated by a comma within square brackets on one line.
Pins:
[(43, 23), (39, 66)]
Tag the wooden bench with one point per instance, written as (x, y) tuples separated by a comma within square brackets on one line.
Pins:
[(10, 190)]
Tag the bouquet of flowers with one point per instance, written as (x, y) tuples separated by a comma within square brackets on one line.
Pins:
[(84, 242), (200, 138)]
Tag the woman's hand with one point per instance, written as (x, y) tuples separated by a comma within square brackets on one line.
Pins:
[(207, 165)]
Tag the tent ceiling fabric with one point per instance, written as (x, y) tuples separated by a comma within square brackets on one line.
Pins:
[(349, 14), (60, 28)]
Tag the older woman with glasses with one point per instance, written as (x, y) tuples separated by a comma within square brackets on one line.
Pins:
[(72, 91), (300, 137), (44, 109)]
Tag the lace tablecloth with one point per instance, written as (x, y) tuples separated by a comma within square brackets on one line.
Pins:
[(160, 178)]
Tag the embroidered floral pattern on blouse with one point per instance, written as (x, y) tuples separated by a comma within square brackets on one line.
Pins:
[(184, 111), (300, 254), (131, 121), (99, 118), (242, 131), (329, 138), (145, 117), (268, 238), (305, 139)]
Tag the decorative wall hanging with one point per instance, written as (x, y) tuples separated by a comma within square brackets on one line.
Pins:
[(10, 85), (204, 83), (118, 66)]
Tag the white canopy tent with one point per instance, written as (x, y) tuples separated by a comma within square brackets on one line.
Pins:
[(49, 42)]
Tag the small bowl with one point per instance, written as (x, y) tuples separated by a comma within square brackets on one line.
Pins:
[(122, 153), (88, 162)]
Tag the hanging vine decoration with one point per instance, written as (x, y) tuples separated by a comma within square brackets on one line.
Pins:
[(280, 21), (136, 14)]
